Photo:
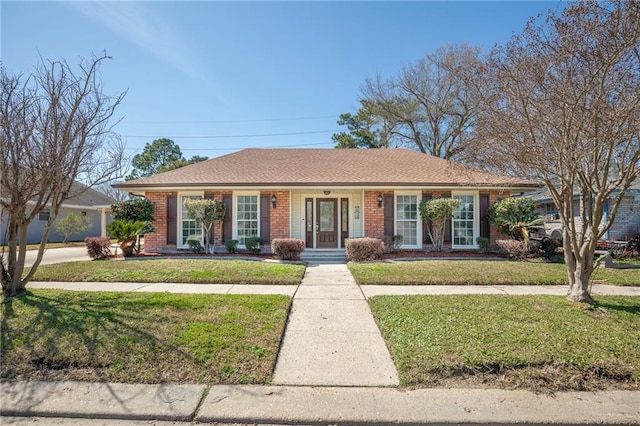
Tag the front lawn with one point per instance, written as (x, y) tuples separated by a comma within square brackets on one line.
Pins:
[(141, 338), (540, 343), (174, 271), (479, 272)]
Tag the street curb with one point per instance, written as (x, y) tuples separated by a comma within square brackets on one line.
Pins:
[(101, 400)]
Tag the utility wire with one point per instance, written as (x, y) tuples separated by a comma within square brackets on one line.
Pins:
[(257, 120), (233, 136)]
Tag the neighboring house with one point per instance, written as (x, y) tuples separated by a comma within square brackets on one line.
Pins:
[(83, 201), (322, 196), (624, 227)]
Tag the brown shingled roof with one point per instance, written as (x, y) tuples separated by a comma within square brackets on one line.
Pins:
[(337, 167)]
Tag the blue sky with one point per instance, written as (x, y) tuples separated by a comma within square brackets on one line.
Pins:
[(196, 71)]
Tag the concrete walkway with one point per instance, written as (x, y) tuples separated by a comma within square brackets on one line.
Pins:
[(331, 338)]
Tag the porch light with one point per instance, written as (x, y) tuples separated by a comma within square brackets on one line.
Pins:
[(273, 200), (379, 200)]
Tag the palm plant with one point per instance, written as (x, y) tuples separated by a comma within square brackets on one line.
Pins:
[(127, 232)]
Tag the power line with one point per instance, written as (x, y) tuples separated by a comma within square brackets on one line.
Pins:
[(232, 136), (257, 120), (235, 147)]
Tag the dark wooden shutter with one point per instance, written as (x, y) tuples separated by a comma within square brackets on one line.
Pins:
[(227, 221), (447, 227), (265, 220), (484, 215), (425, 233), (389, 216), (172, 218)]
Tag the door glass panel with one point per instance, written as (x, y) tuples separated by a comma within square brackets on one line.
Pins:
[(326, 216), (345, 215), (309, 216)]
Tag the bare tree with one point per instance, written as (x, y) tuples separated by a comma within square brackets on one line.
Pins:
[(55, 129), (565, 110), (430, 106)]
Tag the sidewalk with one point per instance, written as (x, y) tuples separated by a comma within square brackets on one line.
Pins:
[(313, 405), (331, 338)]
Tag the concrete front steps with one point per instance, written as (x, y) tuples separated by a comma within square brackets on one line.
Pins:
[(332, 257)]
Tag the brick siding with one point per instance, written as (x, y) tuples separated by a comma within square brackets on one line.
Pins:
[(157, 240), (279, 217), (374, 215)]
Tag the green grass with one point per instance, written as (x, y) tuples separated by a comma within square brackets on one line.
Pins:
[(174, 270), (141, 338), (479, 272), (533, 342)]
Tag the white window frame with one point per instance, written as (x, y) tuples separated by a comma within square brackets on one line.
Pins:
[(181, 197), (418, 196), (476, 220), (235, 212)]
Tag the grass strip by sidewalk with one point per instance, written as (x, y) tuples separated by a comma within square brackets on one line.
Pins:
[(175, 271), (141, 338), (541, 343), (479, 272)]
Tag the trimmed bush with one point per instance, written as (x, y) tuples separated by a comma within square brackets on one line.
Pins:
[(287, 248), (483, 243), (514, 249), (360, 249), (195, 246), (231, 246), (98, 247), (253, 245)]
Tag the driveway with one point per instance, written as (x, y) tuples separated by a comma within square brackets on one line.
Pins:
[(58, 255)]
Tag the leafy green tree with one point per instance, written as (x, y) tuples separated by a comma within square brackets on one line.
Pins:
[(156, 155), (181, 163), (363, 131), (515, 217), (72, 224), (206, 212), (435, 213)]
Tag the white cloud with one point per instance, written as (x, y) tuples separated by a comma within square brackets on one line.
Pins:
[(141, 26)]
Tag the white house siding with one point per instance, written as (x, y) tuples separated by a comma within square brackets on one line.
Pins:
[(356, 228)]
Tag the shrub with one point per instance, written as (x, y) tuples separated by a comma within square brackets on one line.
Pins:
[(435, 213), (359, 249), (195, 246), (514, 249), (253, 244), (72, 224), (392, 244), (127, 234), (483, 243), (515, 217), (287, 248), (137, 209), (231, 246), (98, 247)]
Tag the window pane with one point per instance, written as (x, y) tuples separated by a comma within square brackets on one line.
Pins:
[(407, 218), (463, 221), (191, 229), (247, 217)]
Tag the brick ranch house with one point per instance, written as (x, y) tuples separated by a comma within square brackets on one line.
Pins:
[(323, 196)]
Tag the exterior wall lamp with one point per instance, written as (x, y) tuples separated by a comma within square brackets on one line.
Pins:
[(380, 200), (273, 200)]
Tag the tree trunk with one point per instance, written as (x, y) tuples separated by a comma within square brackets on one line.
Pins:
[(579, 287)]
